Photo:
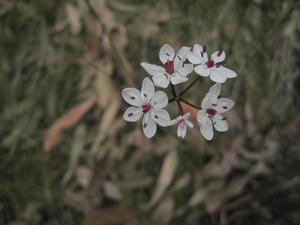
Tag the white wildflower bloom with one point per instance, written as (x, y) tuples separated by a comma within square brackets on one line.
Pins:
[(210, 113), (182, 122), (146, 103), (173, 69), (210, 66)]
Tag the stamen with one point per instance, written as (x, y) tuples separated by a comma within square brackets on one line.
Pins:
[(169, 67), (130, 114), (204, 49), (219, 53), (225, 107), (211, 112), (146, 108), (181, 122), (156, 117), (132, 98), (145, 125), (210, 63)]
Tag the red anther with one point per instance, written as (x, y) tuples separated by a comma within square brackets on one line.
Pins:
[(211, 112), (210, 63), (146, 108), (169, 66)]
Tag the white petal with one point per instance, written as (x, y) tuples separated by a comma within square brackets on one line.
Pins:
[(187, 115), (202, 117), (226, 72), (181, 56), (132, 114), (161, 117), (166, 53), (206, 102), (207, 130), (153, 69), (172, 122), (147, 89), (176, 78), (214, 93), (149, 126), (224, 104), (159, 100), (197, 49), (185, 69), (220, 125), (179, 130), (184, 130), (194, 58), (202, 70), (189, 124), (218, 56), (162, 81), (217, 77), (132, 96)]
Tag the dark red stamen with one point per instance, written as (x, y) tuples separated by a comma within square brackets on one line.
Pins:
[(219, 53), (204, 49), (169, 66), (181, 122), (146, 108), (210, 63), (211, 112)]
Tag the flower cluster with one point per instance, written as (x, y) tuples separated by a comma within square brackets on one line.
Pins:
[(174, 70)]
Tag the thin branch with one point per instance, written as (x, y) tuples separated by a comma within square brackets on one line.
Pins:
[(191, 84), (190, 104), (172, 100), (179, 107)]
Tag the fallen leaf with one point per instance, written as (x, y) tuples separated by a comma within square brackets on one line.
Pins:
[(55, 132), (188, 108), (112, 191), (73, 16), (164, 211), (165, 177), (75, 153)]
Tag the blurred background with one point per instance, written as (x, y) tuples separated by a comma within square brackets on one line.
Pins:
[(67, 156)]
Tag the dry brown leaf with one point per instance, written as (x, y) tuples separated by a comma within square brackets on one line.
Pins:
[(165, 177), (75, 153), (112, 191), (110, 216), (83, 175), (164, 212), (73, 15), (69, 119), (188, 108)]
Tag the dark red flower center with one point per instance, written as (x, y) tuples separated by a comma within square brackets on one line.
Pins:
[(211, 112), (210, 63), (146, 108), (169, 66), (181, 122)]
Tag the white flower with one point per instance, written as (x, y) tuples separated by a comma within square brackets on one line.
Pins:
[(182, 124), (210, 113), (210, 67), (174, 69), (147, 103)]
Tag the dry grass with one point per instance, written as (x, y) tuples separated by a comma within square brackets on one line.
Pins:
[(58, 56)]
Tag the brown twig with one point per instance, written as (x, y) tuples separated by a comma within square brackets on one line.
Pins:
[(188, 87), (190, 104), (175, 97)]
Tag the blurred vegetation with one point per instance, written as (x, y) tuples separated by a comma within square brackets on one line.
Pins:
[(99, 170)]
